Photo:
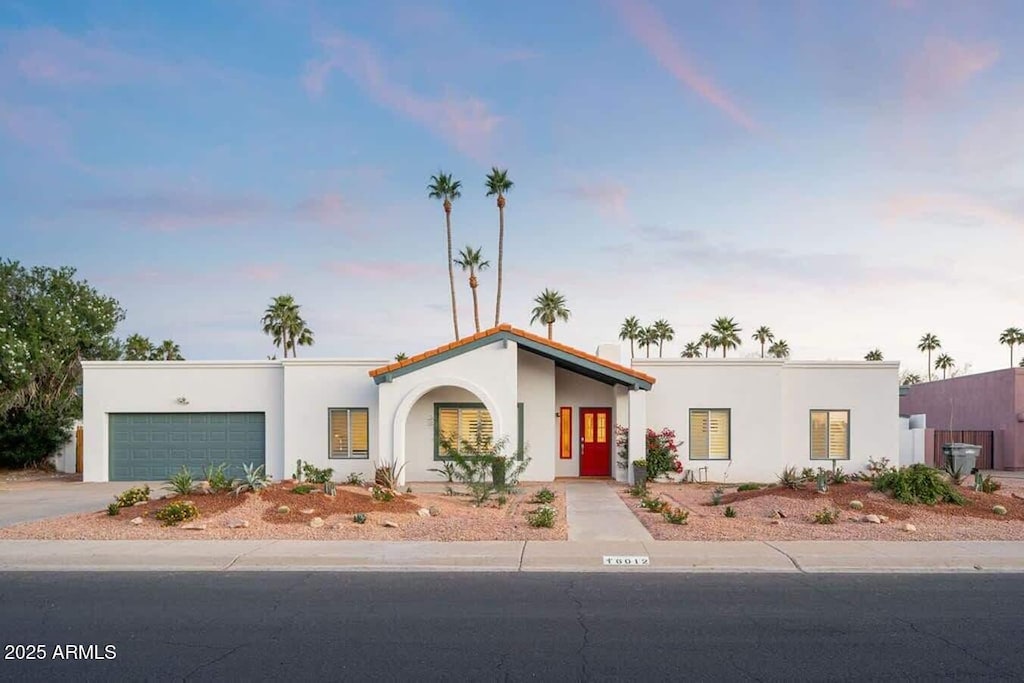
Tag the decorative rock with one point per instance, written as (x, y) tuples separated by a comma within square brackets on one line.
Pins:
[(999, 510), (423, 512), (339, 525), (872, 519), (136, 521), (388, 523), (193, 526), (238, 524), (776, 521), (434, 511), (141, 502), (909, 527), (316, 522), (284, 509), (856, 505), (1015, 494), (779, 514), (883, 518), (307, 511)]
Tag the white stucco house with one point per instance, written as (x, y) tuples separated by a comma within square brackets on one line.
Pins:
[(742, 419)]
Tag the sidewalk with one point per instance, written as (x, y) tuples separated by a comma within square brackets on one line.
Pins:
[(514, 556), (596, 513)]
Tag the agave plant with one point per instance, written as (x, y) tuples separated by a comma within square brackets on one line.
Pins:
[(254, 479), (182, 482), (387, 474)]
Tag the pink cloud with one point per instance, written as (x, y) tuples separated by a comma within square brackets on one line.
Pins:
[(647, 25), (944, 65), (467, 123), (951, 208), (609, 198), (263, 272), (378, 270), (35, 127), (329, 209)]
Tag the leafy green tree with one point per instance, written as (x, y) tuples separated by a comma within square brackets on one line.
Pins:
[(167, 350), (779, 349), (709, 342), (137, 347), (763, 335), (550, 308), (929, 342), (283, 322), (444, 187), (909, 378), (472, 260), (663, 332), (1011, 336), (691, 350), (944, 362), (646, 338), (498, 184), (873, 354), (727, 333), (49, 323), (630, 330)]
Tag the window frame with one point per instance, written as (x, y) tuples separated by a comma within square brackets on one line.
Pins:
[(438, 407), (828, 433), (564, 446), (330, 434), (689, 429)]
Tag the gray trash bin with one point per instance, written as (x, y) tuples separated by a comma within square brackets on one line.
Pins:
[(960, 456)]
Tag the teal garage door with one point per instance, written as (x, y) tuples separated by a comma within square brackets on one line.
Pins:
[(153, 446)]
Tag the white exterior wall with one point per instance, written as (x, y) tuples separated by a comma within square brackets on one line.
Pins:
[(577, 391), (540, 422), (311, 388), (770, 403), (65, 459), (419, 432), (154, 387), (912, 433)]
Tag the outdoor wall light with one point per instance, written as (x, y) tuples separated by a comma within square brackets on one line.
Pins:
[(181, 401)]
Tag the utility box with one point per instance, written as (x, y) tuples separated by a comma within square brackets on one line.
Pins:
[(961, 456)]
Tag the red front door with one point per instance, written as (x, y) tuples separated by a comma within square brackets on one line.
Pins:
[(595, 442)]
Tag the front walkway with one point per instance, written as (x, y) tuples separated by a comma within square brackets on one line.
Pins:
[(596, 513)]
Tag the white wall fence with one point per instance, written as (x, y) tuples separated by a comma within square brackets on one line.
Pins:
[(912, 440)]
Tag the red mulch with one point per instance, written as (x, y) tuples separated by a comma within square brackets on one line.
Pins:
[(347, 501), (207, 503)]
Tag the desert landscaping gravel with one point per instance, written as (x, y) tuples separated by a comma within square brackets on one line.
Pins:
[(756, 520)]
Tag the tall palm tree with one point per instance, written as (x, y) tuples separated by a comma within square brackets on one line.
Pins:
[(780, 349), (299, 334), (727, 332), (472, 260), (929, 342), (691, 350), (400, 356), (137, 347), (550, 308), (763, 335), (708, 341), (1011, 336), (167, 350), (442, 186), (909, 378), (873, 354), (277, 317), (630, 330), (663, 332), (944, 362), (498, 184), (646, 338)]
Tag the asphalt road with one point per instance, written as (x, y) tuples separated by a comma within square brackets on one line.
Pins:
[(558, 627)]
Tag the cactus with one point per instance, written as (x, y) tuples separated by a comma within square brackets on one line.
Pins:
[(822, 479), (359, 518), (978, 481), (999, 510), (856, 505), (330, 488)]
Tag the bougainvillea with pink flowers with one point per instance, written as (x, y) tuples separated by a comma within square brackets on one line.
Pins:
[(662, 450)]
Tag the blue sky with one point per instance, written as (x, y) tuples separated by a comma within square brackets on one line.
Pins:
[(850, 174)]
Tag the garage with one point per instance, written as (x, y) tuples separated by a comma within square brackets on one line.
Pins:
[(153, 446)]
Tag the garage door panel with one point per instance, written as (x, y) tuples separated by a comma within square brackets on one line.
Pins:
[(155, 446)]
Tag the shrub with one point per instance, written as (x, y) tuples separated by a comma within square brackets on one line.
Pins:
[(790, 478), (359, 518), (676, 515), (542, 517), (838, 476), (354, 479), (856, 505), (182, 483), (749, 487), (877, 468), (999, 510), (545, 495), (730, 511), (808, 474), (254, 479), (918, 484), (302, 489), (382, 494), (387, 473), (661, 450), (217, 478), (826, 516), (446, 471), (132, 496), (716, 496), (484, 468), (956, 474), (637, 490), (653, 504), (315, 475), (990, 485), (113, 509), (502, 499), (177, 512)]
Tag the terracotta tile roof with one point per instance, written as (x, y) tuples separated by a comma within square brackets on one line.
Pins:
[(515, 331)]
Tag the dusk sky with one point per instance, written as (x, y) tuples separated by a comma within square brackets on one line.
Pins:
[(849, 173)]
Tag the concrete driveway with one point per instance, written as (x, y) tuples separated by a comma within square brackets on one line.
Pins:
[(26, 501)]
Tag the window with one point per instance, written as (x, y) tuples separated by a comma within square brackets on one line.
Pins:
[(565, 433), (458, 422), (830, 435), (709, 434), (349, 432)]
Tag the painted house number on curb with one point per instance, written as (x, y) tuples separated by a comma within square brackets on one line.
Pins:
[(627, 560)]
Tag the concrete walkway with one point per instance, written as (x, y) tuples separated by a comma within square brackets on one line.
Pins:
[(31, 500), (808, 557), (596, 513)]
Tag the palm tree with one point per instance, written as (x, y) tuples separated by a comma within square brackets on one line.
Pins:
[(763, 335), (299, 334), (909, 378), (873, 354), (691, 350), (646, 338), (137, 347), (168, 350), (550, 307), (630, 330), (400, 357), (442, 186), (727, 332), (929, 343), (943, 362), (779, 349), (498, 183), (663, 332), (708, 341), (1011, 336), (281, 310), (472, 260)]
